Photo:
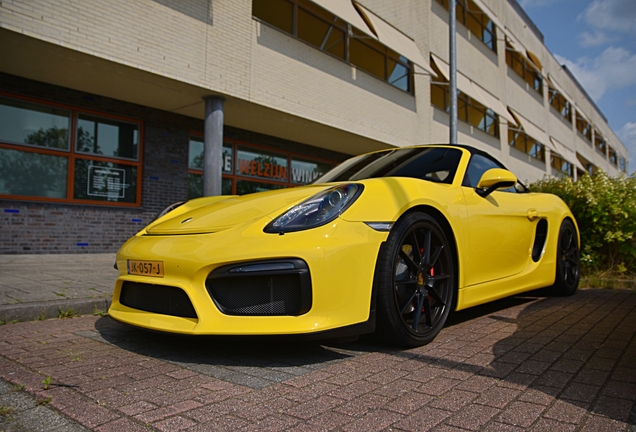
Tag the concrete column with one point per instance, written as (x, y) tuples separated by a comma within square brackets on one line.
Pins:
[(213, 145)]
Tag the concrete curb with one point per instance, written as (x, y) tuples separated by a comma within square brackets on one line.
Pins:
[(51, 309)]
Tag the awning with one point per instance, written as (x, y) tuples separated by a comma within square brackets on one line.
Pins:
[(568, 155), (582, 114), (474, 90), (520, 48), (533, 130), (514, 42), (464, 84), (395, 39), (346, 11), (489, 13), (559, 88), (534, 60), (494, 103)]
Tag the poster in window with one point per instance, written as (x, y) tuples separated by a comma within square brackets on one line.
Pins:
[(106, 182)]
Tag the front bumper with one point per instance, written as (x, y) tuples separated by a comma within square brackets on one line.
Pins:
[(340, 259)]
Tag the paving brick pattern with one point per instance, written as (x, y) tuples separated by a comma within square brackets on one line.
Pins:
[(525, 363)]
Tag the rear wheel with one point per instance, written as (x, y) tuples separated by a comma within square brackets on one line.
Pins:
[(568, 261), (415, 281)]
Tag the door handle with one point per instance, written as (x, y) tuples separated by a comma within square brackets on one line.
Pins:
[(533, 214)]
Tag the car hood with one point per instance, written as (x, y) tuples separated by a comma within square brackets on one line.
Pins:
[(232, 211)]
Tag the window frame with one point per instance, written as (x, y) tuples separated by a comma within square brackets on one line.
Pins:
[(584, 128), (522, 67), (560, 104), (72, 155), (558, 163), (600, 144)]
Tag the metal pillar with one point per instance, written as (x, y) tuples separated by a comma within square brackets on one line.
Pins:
[(452, 53), (212, 145)]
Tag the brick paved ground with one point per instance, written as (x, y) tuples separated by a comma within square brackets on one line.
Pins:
[(526, 363)]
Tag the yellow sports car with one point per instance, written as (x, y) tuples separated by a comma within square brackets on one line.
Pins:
[(389, 241)]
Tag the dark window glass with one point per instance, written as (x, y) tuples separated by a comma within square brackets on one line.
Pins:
[(28, 123), (322, 33), (244, 187), (261, 164), (399, 74), (195, 155), (105, 137), (521, 66), (305, 171), (477, 166), (434, 164), (366, 58), (32, 174), (195, 185), (279, 13), (517, 138)]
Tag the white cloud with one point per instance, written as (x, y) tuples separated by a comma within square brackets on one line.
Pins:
[(615, 15), (627, 134), (526, 4), (587, 39), (613, 69)]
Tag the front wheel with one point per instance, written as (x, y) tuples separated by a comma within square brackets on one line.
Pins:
[(568, 265), (415, 281)]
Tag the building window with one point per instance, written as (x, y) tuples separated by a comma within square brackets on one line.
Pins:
[(560, 104), (98, 162), (247, 168), (561, 165), (600, 144), (518, 63), (584, 127), (468, 109), (323, 30), (613, 156), (476, 21), (622, 164), (590, 168), (518, 139)]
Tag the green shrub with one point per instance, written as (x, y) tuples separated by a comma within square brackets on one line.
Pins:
[(605, 210)]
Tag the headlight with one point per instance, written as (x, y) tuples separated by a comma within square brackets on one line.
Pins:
[(318, 210)]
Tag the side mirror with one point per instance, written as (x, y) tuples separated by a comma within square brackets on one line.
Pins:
[(493, 179)]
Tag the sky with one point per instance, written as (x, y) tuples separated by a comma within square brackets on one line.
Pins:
[(596, 40)]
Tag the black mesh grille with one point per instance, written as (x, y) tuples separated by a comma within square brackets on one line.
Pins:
[(261, 293), (160, 299)]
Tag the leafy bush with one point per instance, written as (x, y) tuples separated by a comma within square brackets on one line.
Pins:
[(605, 210)]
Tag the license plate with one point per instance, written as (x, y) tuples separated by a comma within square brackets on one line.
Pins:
[(145, 268)]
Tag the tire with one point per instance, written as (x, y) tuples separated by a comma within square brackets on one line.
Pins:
[(568, 264), (415, 281)]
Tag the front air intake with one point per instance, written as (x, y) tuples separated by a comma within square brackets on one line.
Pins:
[(263, 288), (161, 299)]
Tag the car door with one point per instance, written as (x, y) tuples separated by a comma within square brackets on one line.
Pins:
[(501, 227)]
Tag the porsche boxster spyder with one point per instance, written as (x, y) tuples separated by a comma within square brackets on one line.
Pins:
[(390, 241)]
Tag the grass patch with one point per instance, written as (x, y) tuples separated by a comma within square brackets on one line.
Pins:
[(66, 313), (5, 411)]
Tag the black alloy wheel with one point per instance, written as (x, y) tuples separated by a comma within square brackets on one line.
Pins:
[(568, 266), (416, 283)]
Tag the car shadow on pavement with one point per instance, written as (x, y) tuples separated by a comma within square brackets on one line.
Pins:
[(570, 355)]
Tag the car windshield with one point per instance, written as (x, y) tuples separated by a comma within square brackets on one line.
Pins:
[(436, 164)]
